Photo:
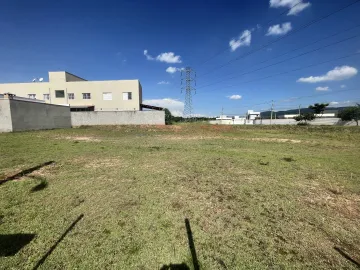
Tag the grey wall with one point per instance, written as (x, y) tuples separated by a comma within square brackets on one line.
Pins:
[(118, 118), (316, 122), (27, 115), (5, 116)]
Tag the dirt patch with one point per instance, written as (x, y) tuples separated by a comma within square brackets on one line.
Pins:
[(83, 139), (275, 140), (344, 204), (229, 139), (191, 137), (104, 163)]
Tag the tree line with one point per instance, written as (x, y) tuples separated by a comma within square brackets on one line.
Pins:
[(347, 114)]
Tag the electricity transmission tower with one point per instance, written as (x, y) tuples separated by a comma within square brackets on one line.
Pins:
[(188, 79)]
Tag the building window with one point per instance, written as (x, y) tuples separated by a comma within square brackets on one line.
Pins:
[(71, 96), (32, 96), (46, 97), (107, 96), (127, 96), (59, 93), (86, 96)]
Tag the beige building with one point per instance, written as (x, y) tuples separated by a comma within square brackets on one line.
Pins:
[(81, 95)]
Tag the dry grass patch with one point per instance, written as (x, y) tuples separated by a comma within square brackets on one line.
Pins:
[(80, 138), (276, 140)]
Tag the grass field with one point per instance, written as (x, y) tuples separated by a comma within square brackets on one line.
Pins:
[(256, 197)]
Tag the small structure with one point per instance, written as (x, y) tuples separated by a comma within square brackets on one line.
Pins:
[(228, 120), (236, 119), (252, 115)]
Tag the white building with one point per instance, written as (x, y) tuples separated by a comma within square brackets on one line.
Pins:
[(251, 115)]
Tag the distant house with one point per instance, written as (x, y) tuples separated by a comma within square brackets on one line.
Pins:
[(64, 88), (251, 116)]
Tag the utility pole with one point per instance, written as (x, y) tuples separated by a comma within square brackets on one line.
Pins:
[(188, 78), (272, 107), (299, 109)]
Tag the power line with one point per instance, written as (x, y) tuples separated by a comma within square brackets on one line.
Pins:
[(281, 14), (302, 47), (286, 72), (281, 38), (280, 62)]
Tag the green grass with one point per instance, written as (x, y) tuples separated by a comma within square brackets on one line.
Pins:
[(256, 197)]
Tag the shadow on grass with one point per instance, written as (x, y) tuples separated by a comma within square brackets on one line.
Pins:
[(182, 266), (47, 254), (191, 244), (25, 172), (347, 256), (42, 185), (10, 244), (288, 159)]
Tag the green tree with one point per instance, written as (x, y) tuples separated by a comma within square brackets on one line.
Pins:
[(319, 108), (168, 117), (304, 118), (351, 114)]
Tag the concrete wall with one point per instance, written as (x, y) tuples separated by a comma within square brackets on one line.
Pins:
[(316, 122), (5, 116), (27, 115), (118, 118), (20, 115)]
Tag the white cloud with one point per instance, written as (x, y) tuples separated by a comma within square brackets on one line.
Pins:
[(342, 103), (148, 56), (175, 106), (172, 70), (167, 57), (322, 88), (235, 97), (243, 40), (337, 74), (343, 86), (277, 29), (295, 6), (298, 8), (163, 82)]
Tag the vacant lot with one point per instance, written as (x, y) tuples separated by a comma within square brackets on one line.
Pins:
[(256, 198)]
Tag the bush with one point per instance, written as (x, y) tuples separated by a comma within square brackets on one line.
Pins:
[(351, 114), (168, 117), (303, 118)]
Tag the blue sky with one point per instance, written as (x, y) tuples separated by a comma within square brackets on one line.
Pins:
[(106, 40)]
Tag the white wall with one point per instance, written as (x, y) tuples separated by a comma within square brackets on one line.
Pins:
[(5, 116), (317, 122)]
